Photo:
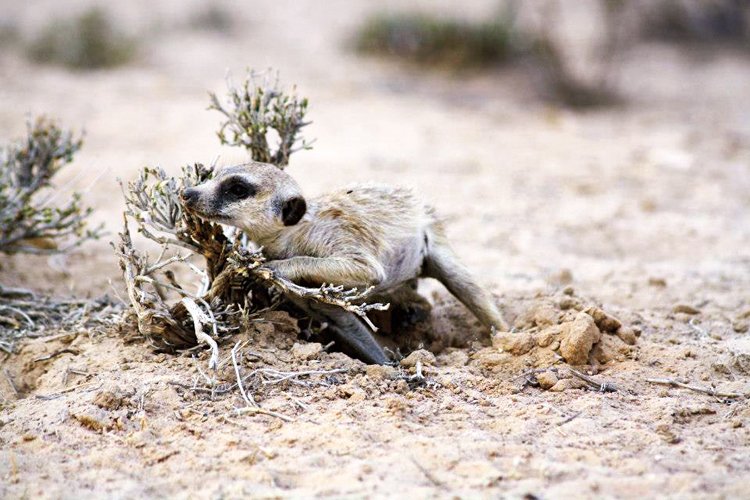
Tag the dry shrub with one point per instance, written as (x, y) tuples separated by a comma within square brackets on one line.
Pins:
[(501, 40), (35, 219), (436, 41), (698, 21), (32, 218), (88, 41), (212, 18), (234, 284)]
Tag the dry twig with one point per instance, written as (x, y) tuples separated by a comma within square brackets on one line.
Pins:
[(248, 399), (705, 390), (600, 386)]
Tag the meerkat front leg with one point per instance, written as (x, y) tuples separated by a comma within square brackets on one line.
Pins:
[(442, 264), (347, 272), (350, 332)]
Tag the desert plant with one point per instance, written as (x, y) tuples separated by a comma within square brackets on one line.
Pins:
[(32, 222), (698, 21), (212, 18), (439, 42), (259, 110), (436, 41), (29, 220), (234, 284), (89, 41)]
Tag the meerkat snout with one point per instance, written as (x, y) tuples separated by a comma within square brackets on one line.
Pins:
[(189, 196)]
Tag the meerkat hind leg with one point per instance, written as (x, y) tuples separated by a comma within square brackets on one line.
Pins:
[(407, 308), (442, 264)]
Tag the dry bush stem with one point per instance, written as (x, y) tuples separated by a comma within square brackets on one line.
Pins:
[(199, 319), (248, 399), (600, 386), (705, 390)]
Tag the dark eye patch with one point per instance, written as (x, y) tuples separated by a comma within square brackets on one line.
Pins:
[(237, 188)]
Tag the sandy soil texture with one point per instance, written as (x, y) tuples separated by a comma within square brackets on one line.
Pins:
[(638, 212)]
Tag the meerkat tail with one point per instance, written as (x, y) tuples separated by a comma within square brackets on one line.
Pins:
[(443, 265)]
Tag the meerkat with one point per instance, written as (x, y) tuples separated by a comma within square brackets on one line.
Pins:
[(361, 236)]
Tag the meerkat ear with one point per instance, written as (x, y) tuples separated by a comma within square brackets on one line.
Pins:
[(292, 210)]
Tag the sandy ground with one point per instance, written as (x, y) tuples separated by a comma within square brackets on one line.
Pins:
[(638, 208)]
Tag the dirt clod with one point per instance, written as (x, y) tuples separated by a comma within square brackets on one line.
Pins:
[(605, 322), (685, 309), (110, 399), (306, 351), (426, 357), (381, 372), (93, 420), (517, 343), (578, 338), (627, 335), (740, 325), (546, 379)]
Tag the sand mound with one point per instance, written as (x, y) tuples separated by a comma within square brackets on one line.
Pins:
[(555, 330)]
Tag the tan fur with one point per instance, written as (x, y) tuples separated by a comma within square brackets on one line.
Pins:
[(361, 236)]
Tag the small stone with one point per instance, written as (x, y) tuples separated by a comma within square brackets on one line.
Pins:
[(546, 379), (548, 335), (517, 343), (658, 282), (569, 290), (685, 309), (545, 315), (306, 351), (111, 399), (580, 336), (740, 326), (491, 358), (425, 356), (627, 335), (605, 322), (381, 372), (667, 434), (561, 277), (94, 421), (357, 395), (457, 357), (568, 302), (567, 383), (539, 315)]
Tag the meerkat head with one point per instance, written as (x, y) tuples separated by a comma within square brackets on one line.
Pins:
[(258, 198)]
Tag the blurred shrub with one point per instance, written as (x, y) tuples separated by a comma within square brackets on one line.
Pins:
[(212, 18), (698, 20), (557, 83), (8, 33), (455, 44), (89, 41), (434, 41)]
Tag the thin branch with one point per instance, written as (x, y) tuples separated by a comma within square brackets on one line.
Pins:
[(705, 390), (248, 399), (199, 319), (600, 386)]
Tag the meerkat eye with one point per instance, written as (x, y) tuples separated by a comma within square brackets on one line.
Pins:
[(239, 189)]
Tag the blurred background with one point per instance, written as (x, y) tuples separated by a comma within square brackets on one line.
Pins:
[(588, 141)]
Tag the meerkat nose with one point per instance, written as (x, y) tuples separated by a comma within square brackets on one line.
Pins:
[(189, 196)]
